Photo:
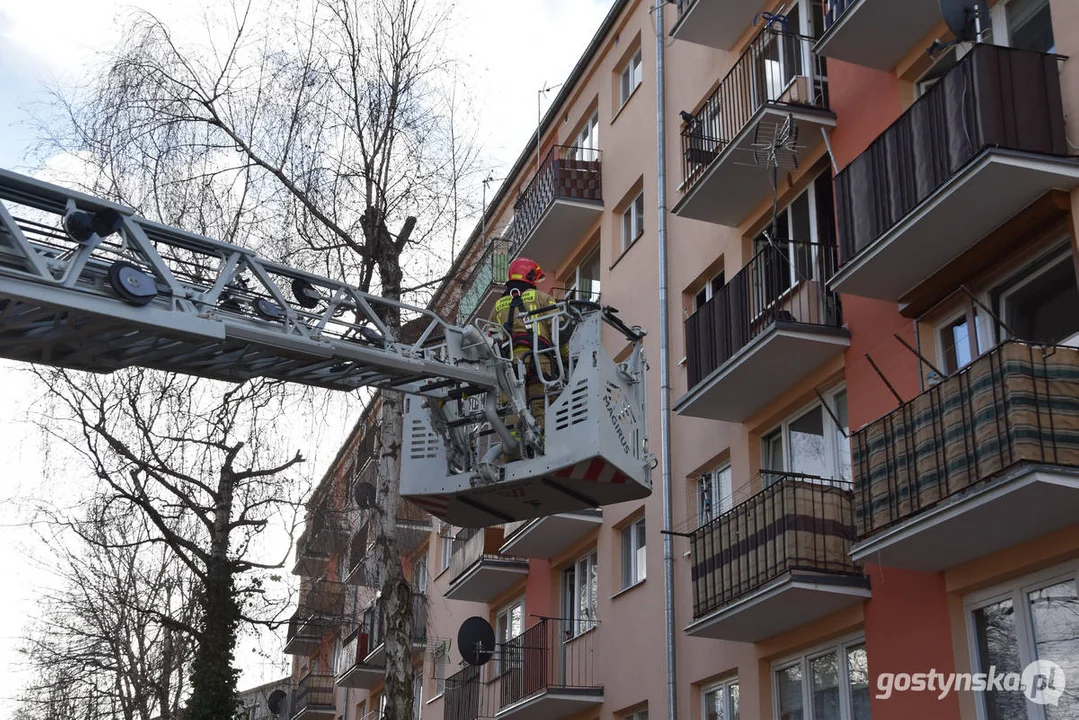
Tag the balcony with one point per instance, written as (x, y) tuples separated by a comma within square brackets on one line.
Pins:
[(477, 572), (314, 699), (989, 135), (538, 675), (311, 557), (480, 288), (562, 202), (321, 606), (363, 658), (985, 460), (715, 23), (548, 536), (776, 91), (325, 533), (770, 326), (777, 561), (413, 527), (360, 565), (877, 33)]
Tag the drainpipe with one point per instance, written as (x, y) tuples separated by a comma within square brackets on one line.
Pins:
[(665, 367)]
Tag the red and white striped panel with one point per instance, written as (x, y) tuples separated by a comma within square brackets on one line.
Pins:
[(594, 470)]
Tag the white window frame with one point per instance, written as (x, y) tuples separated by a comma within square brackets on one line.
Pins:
[(810, 193), (975, 340), (576, 622), (717, 485), (417, 696), (634, 551), (632, 221), (1027, 275), (631, 77), (1016, 590), (504, 619), (421, 574), (709, 290), (998, 20), (833, 453), (586, 140), (593, 294), (841, 648), (445, 550), (723, 687), (638, 714), (439, 658)]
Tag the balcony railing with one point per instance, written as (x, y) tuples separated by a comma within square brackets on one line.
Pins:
[(467, 549), (374, 622), (778, 68), (783, 283), (323, 598), (491, 268), (836, 8), (313, 691), (1015, 404), (543, 659), (996, 97), (797, 523), (570, 173)]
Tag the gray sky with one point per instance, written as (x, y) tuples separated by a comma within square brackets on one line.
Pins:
[(511, 50)]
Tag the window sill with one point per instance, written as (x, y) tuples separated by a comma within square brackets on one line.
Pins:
[(626, 102), (435, 698), (578, 636), (632, 587), (625, 252)]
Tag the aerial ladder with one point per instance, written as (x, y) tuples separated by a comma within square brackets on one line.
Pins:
[(87, 284)]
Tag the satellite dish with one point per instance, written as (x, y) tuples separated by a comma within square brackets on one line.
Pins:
[(959, 16), (364, 494), (276, 701), (476, 638)]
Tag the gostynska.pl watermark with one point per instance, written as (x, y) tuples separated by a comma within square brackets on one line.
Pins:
[(1042, 682)]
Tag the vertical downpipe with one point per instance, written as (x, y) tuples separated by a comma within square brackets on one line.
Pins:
[(665, 366)]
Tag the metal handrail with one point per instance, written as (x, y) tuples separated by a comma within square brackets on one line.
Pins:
[(556, 177)]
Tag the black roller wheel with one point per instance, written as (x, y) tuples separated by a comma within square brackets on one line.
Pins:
[(132, 285)]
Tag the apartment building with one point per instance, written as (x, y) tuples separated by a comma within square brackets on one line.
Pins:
[(873, 438)]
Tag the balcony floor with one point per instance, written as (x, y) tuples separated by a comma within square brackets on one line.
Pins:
[(857, 38), (302, 645), (763, 370), (716, 24), (552, 704), (784, 604), (316, 712), (733, 184), (1024, 504), (999, 183), (361, 676), (487, 578), (548, 536), (561, 227)]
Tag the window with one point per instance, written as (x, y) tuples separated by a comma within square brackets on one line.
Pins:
[(584, 283), (1024, 24), (417, 696), (586, 143), (1041, 304), (1009, 627), (632, 222), (641, 714), (810, 442), (796, 254), (720, 701), (830, 684), (439, 670), (714, 494), (709, 291), (445, 542), (508, 625), (419, 573), (631, 76), (579, 593), (960, 340), (633, 554)]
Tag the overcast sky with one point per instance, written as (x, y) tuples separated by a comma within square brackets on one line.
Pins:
[(511, 50)]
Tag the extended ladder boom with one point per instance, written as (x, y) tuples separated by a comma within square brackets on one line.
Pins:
[(87, 284)]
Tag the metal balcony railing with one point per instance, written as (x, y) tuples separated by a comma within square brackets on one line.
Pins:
[(783, 283), (374, 622), (836, 8), (542, 658), (313, 691), (777, 68), (995, 97), (322, 598), (1015, 404), (468, 549), (491, 268), (796, 523), (353, 651), (684, 6), (571, 173)]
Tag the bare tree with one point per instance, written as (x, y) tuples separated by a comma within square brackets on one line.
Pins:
[(197, 467), (308, 137), (109, 643)]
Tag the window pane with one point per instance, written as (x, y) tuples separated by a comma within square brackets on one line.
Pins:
[(1030, 25), (713, 705), (1046, 309), (824, 673), (627, 557), (732, 697), (772, 455), (705, 507), (789, 689), (807, 444), (1054, 614), (858, 678), (626, 73), (998, 646), (640, 551), (627, 227)]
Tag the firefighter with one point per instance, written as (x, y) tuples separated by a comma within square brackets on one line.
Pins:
[(522, 297)]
